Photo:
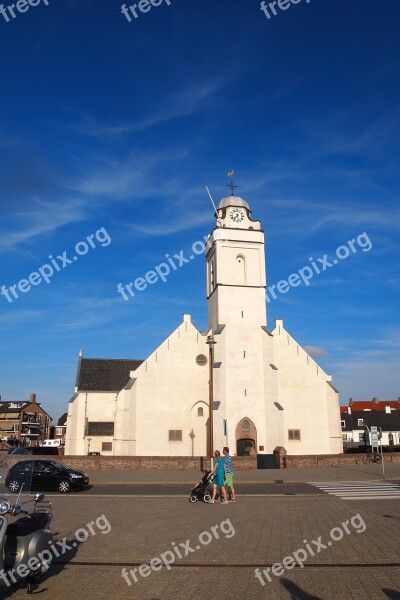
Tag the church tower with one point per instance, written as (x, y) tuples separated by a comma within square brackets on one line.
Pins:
[(236, 284), (236, 267)]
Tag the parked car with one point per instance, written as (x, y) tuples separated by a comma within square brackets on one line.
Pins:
[(94, 453), (45, 474)]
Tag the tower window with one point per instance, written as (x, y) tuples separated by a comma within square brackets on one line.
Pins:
[(175, 435), (294, 435), (240, 271), (200, 411), (245, 426)]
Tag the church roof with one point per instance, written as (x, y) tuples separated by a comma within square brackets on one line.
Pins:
[(388, 421), (104, 374), (62, 421), (233, 201)]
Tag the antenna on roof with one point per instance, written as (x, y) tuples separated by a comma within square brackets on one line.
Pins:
[(211, 198)]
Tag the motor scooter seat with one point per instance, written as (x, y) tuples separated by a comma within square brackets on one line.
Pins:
[(27, 525)]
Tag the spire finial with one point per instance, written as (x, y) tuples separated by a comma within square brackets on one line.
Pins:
[(231, 185)]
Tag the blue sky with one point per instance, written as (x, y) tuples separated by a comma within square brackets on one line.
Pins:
[(106, 123)]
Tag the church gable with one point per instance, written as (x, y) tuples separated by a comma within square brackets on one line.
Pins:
[(295, 354)]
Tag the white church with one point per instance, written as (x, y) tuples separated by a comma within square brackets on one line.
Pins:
[(267, 391)]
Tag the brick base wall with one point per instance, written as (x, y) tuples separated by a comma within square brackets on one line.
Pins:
[(189, 463), (332, 460), (141, 463)]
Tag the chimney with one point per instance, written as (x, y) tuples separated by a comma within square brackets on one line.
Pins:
[(376, 400), (32, 398)]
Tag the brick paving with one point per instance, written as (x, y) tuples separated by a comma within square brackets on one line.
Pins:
[(105, 583), (266, 530)]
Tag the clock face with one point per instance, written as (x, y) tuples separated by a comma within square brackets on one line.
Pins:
[(237, 215)]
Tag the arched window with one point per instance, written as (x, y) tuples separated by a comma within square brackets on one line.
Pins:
[(200, 411), (245, 425)]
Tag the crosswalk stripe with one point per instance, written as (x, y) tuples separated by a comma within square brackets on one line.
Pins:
[(361, 490)]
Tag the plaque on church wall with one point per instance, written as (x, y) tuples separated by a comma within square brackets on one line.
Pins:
[(100, 428)]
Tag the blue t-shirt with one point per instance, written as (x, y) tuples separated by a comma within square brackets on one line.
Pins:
[(228, 463)]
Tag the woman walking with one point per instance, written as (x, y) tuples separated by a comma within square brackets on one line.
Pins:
[(219, 472)]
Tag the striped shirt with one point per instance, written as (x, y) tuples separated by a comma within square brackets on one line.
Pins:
[(228, 464)]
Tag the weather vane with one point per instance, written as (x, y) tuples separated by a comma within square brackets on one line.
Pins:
[(231, 185)]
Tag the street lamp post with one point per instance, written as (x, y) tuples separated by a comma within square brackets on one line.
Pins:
[(211, 343)]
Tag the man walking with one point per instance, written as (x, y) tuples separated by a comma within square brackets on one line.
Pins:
[(229, 475)]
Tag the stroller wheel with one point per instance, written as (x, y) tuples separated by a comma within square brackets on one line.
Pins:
[(193, 498), (207, 498)]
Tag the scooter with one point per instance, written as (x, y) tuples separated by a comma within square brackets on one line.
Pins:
[(22, 543)]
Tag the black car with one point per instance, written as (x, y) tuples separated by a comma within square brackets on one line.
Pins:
[(45, 474)]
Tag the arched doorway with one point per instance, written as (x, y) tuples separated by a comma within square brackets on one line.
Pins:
[(199, 429), (246, 438)]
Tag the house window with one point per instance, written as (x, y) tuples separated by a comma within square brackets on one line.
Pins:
[(343, 423), (200, 411), (360, 422), (175, 435), (344, 437), (245, 426), (106, 447), (59, 430), (294, 435), (361, 437)]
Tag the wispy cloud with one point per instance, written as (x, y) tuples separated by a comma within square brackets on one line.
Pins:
[(40, 218), (182, 104), (316, 351), (11, 318)]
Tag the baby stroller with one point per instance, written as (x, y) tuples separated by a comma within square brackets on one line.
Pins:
[(202, 491)]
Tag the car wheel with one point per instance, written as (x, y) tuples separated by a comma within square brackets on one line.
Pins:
[(14, 486), (64, 486)]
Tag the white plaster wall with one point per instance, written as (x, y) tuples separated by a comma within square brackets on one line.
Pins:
[(274, 433), (100, 406), (125, 422), (309, 403), (169, 384)]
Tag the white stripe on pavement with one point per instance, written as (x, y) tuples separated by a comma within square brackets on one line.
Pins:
[(365, 490)]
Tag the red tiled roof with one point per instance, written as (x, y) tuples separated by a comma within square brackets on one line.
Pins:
[(360, 405)]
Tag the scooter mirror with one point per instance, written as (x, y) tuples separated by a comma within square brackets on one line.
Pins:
[(39, 497), (4, 506)]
